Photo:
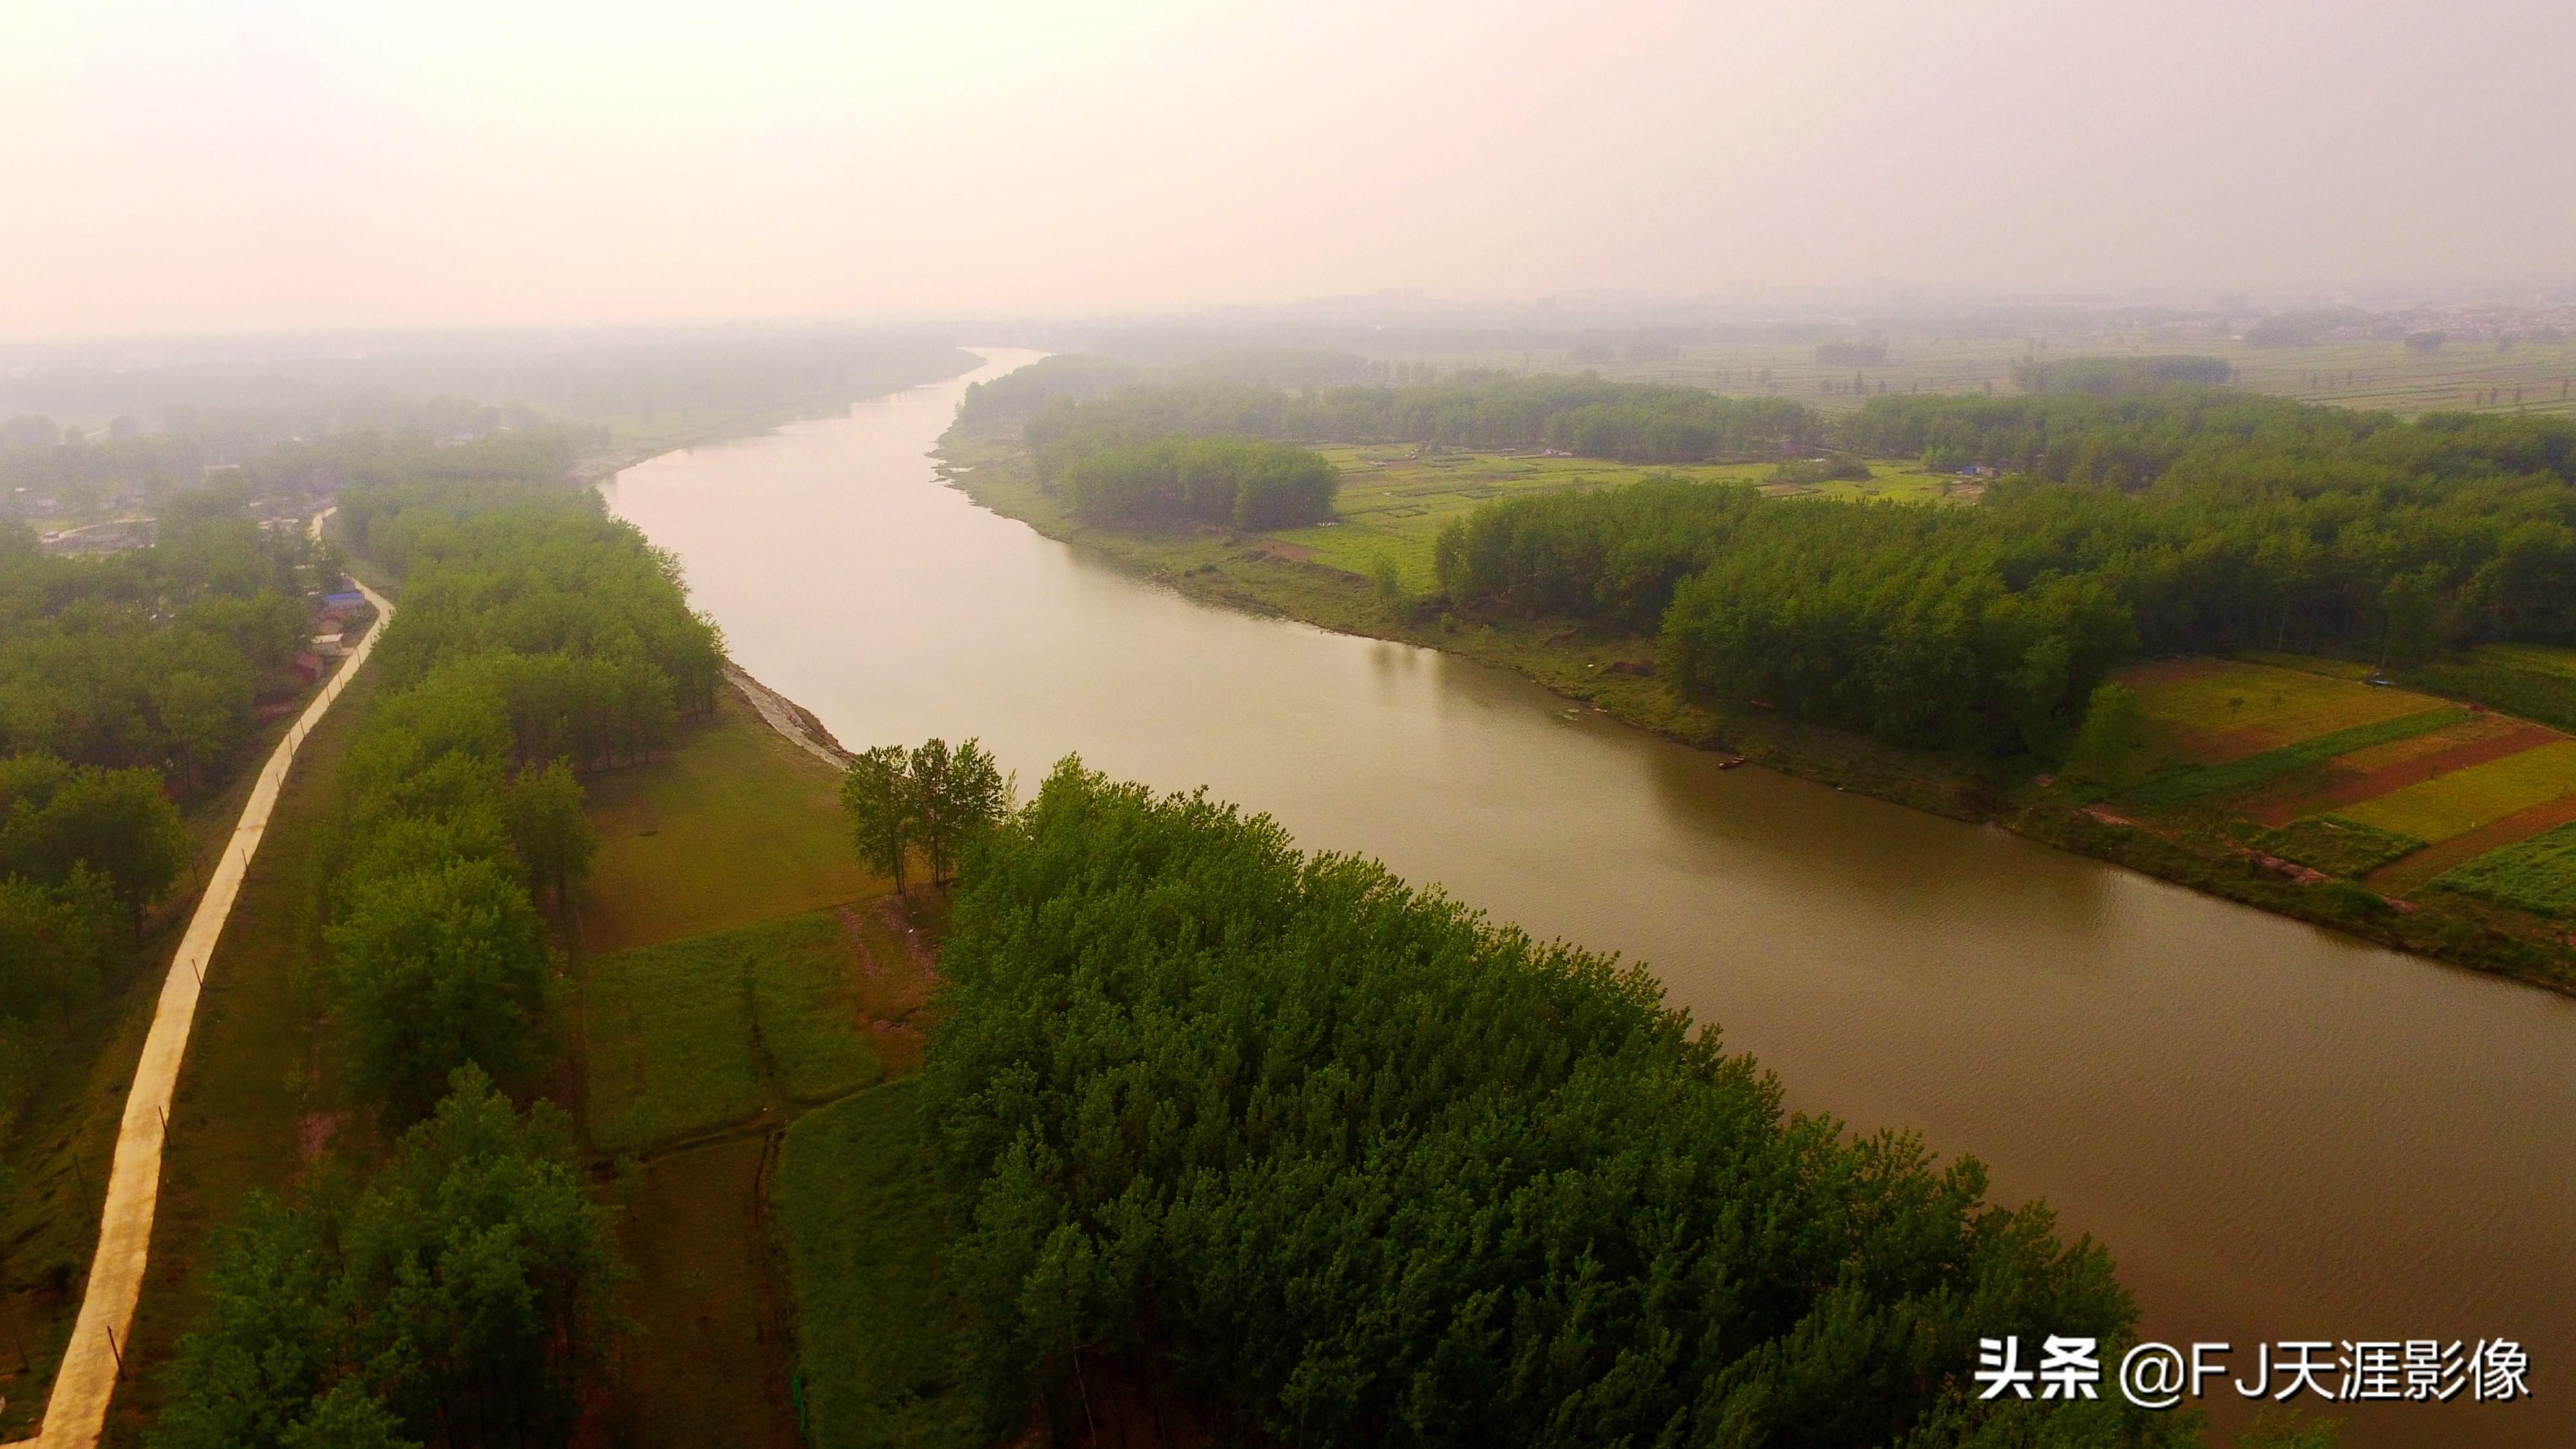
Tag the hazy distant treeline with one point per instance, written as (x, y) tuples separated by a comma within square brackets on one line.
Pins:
[(1632, 422), (2108, 376), (565, 374), (85, 435)]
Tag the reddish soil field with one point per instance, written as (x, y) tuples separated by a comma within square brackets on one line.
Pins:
[(2371, 784)]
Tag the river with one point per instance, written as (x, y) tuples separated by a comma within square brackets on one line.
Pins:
[(2281, 1133)]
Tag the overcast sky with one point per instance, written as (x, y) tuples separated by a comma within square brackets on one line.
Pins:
[(186, 166)]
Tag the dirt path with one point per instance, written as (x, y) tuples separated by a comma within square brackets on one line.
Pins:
[(92, 1360)]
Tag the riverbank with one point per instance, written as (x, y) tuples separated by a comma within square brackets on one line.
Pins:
[(1615, 674)]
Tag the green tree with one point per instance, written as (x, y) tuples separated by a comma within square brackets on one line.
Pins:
[(460, 1297), (884, 808), (958, 795), (115, 822), (2114, 731), (480, 1271), (1346, 1163), (265, 1346), (436, 970), (550, 829), (2412, 604)]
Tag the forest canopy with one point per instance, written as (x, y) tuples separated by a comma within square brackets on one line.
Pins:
[(1350, 1164), (2178, 523), (1245, 482), (1631, 422)]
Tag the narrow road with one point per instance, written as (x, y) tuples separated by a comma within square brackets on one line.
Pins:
[(94, 1358)]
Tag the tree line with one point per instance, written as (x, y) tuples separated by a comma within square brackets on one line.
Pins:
[(1340, 1162), (930, 801), (2110, 376), (1247, 483), (83, 851), (458, 1293), (2183, 521), (570, 618), (1630, 422)]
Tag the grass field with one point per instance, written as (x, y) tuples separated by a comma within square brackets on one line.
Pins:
[(2536, 875), (705, 1363), (670, 1053), (805, 1008), (734, 827), (2531, 680), (2210, 712), (2455, 804), (2540, 658), (2337, 847), (1396, 498), (861, 1217), (2369, 374), (691, 1036)]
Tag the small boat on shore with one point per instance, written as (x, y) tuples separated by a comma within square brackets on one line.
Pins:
[(1730, 762)]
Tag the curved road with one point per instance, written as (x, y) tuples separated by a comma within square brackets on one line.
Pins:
[(93, 1359)]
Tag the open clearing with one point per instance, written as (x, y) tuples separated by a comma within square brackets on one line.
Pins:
[(2230, 710), (703, 1364), (734, 827), (759, 976)]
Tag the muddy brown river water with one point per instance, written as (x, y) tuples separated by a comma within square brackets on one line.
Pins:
[(2280, 1132)]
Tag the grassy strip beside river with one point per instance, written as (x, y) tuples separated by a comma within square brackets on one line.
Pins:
[(1614, 672)]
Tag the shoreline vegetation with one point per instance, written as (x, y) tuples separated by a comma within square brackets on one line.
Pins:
[(1614, 668)]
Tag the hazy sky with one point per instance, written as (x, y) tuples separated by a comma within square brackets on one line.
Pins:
[(181, 165)]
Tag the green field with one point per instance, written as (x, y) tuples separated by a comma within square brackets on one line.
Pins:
[(684, 1037), (702, 1364), (2367, 374), (733, 827), (805, 1008), (2539, 658), (861, 1216), (2535, 681), (2536, 875), (2337, 847), (2455, 804)]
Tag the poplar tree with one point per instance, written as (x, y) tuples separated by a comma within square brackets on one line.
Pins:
[(884, 808)]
